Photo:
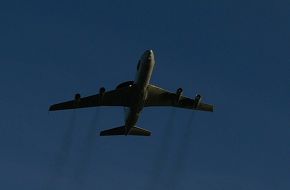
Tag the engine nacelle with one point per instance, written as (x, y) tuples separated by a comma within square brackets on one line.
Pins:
[(102, 91), (125, 84), (197, 101), (77, 97), (178, 94)]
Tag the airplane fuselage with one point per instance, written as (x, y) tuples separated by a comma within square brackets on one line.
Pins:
[(134, 96), (144, 71)]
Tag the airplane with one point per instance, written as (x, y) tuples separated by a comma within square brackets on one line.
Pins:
[(134, 96)]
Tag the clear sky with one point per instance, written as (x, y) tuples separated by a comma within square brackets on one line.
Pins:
[(236, 54)]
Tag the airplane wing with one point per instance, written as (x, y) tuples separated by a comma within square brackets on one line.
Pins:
[(118, 97), (160, 97)]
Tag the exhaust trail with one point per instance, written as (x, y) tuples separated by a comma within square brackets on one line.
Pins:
[(183, 150), (162, 153), (62, 157), (88, 146)]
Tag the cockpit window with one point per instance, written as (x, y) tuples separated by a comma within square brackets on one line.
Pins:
[(138, 66)]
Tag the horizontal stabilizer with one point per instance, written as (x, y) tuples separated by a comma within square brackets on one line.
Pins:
[(139, 131), (123, 131)]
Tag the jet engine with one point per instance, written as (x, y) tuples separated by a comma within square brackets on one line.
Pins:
[(197, 101), (125, 84), (77, 97), (178, 94), (102, 91)]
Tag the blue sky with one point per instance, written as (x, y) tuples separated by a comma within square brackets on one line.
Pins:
[(234, 53)]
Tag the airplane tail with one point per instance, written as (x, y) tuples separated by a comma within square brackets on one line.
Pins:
[(123, 131)]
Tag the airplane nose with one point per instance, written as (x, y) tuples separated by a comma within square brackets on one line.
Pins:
[(149, 54)]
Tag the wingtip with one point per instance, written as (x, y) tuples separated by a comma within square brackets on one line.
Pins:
[(51, 108), (102, 133)]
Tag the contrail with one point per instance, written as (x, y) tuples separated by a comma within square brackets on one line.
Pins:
[(86, 151), (63, 155), (181, 154), (162, 153)]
